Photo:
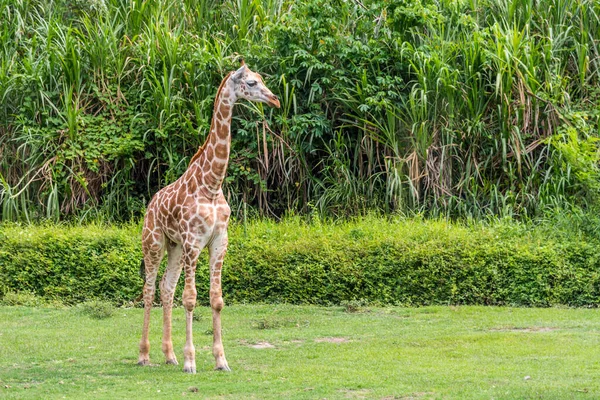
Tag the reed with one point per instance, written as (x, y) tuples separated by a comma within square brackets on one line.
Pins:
[(458, 108)]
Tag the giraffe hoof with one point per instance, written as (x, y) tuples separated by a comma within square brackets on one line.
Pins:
[(144, 362), (172, 361), (189, 370), (224, 368)]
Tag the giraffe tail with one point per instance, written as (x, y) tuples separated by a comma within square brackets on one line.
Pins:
[(143, 276), (143, 270)]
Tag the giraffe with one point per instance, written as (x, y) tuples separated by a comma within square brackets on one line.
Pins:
[(190, 214)]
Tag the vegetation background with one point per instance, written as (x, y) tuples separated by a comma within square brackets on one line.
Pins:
[(462, 134), (461, 108)]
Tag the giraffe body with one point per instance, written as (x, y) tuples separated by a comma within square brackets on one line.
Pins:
[(190, 214)]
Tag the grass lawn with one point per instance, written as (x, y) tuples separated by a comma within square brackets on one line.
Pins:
[(286, 351)]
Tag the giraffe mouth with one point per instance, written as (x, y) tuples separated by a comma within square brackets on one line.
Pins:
[(273, 101)]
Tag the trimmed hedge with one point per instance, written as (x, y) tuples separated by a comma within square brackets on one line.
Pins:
[(408, 262), (71, 264)]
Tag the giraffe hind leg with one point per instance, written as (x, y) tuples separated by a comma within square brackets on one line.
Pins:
[(152, 257), (167, 291)]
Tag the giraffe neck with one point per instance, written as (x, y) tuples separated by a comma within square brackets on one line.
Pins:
[(209, 165)]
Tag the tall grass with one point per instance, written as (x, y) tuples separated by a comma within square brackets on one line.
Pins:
[(463, 108)]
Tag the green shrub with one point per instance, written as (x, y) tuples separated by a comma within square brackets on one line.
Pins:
[(72, 264), (197, 316), (98, 309), (21, 299), (405, 262), (353, 306)]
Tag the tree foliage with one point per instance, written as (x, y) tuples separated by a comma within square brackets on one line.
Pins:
[(464, 108)]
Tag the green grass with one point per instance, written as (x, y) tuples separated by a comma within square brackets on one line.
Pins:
[(431, 352)]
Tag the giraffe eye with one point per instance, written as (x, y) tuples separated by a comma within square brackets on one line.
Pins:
[(251, 83)]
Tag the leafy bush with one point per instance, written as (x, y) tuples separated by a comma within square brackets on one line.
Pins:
[(98, 309), (21, 299), (71, 264), (197, 316), (407, 262), (353, 306)]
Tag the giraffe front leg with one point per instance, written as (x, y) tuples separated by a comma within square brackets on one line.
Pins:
[(217, 252), (190, 257)]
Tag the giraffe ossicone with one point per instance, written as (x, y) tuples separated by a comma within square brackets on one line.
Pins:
[(190, 214)]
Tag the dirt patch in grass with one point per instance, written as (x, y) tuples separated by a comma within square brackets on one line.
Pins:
[(332, 340), (259, 345), (412, 396), (356, 393), (293, 342), (277, 323), (525, 329)]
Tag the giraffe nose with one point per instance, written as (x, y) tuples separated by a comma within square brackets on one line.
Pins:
[(274, 101)]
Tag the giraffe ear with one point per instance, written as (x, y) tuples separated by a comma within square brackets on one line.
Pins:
[(237, 75)]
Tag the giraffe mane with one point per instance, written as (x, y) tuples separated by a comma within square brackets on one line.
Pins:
[(201, 149)]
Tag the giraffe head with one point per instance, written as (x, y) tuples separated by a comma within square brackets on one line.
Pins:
[(250, 86)]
